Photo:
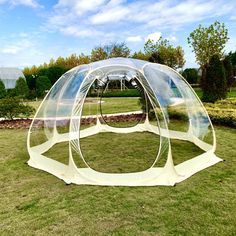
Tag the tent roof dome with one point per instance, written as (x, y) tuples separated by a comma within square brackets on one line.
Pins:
[(170, 98)]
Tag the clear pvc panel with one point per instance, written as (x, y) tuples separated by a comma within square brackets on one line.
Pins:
[(199, 122), (51, 123), (42, 128), (183, 111), (101, 141)]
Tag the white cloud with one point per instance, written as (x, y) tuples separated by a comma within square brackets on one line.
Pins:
[(172, 38), (233, 18), (112, 12), (187, 12), (132, 16), (11, 49), (28, 3), (154, 37), (16, 48), (80, 7), (137, 38), (76, 31)]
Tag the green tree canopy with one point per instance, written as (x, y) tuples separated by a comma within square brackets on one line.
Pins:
[(83, 59), (52, 72), (42, 84), (228, 72), (150, 46), (232, 56), (208, 41), (98, 53), (215, 85), (119, 50), (109, 51), (31, 81), (191, 75), (162, 52), (2, 90), (141, 55), (21, 88)]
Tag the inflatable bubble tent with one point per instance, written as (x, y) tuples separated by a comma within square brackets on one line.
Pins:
[(177, 114)]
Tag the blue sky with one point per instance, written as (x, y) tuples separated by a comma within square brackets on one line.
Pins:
[(33, 31)]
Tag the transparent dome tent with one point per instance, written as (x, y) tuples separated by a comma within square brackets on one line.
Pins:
[(170, 123)]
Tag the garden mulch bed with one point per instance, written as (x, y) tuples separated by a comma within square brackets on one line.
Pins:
[(25, 123), (15, 124)]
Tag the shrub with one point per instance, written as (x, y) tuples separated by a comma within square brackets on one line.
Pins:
[(12, 107), (2, 90), (223, 112), (118, 93), (11, 92), (214, 85), (31, 81), (191, 75), (42, 84), (21, 89), (53, 73), (227, 118)]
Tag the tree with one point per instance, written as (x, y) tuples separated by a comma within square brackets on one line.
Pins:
[(60, 62), (116, 50), (109, 51), (51, 62), (191, 75), (232, 56), (42, 84), (141, 55), (31, 81), (54, 73), (72, 61), (83, 59), (21, 88), (228, 72), (164, 53), (3, 92), (215, 85), (151, 47), (30, 71), (98, 53), (12, 107), (119, 50), (207, 42)]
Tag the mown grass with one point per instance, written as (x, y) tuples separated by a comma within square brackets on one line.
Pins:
[(123, 95), (111, 105), (108, 105), (33, 202)]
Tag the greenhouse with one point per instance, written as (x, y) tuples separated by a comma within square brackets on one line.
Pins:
[(9, 76), (75, 114)]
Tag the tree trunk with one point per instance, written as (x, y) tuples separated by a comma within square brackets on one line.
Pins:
[(203, 77)]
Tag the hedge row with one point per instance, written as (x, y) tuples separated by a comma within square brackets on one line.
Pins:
[(223, 112), (223, 117), (118, 93)]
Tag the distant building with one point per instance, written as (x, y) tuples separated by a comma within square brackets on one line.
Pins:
[(9, 76)]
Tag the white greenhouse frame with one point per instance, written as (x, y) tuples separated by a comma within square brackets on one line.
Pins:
[(155, 80)]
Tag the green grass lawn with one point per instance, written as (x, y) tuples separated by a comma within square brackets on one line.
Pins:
[(108, 105), (33, 202), (231, 94), (119, 104)]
